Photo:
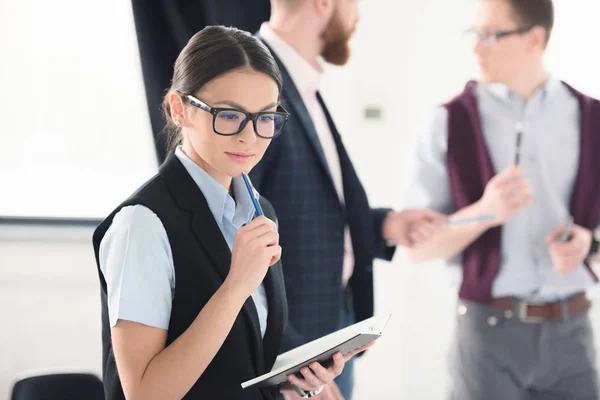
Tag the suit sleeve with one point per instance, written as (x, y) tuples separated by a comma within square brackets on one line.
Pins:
[(383, 251)]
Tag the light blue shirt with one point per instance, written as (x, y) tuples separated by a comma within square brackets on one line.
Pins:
[(550, 156), (136, 258)]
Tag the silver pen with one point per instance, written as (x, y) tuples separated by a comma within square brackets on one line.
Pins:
[(566, 235)]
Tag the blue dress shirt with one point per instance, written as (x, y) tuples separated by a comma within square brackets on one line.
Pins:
[(136, 258)]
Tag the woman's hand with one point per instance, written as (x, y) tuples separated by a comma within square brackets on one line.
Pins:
[(330, 392), (255, 249), (315, 375)]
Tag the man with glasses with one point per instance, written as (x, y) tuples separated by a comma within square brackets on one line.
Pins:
[(328, 232), (523, 330)]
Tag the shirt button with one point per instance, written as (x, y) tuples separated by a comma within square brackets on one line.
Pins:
[(531, 158), (492, 321)]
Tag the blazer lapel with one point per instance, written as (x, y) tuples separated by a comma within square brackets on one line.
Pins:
[(345, 164), (275, 289), (210, 237)]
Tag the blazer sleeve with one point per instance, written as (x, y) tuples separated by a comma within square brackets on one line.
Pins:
[(382, 249)]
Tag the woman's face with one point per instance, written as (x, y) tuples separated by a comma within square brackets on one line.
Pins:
[(224, 157)]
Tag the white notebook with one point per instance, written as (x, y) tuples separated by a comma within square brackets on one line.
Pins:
[(322, 350)]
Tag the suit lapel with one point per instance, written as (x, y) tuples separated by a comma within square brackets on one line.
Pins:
[(209, 235), (294, 101), (212, 240), (277, 303), (275, 290), (345, 165)]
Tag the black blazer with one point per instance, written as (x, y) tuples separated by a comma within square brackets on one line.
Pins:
[(202, 259), (295, 177)]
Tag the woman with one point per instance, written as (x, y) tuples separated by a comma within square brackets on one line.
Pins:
[(192, 289)]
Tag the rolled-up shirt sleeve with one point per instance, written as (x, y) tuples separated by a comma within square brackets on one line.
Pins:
[(137, 264), (428, 183)]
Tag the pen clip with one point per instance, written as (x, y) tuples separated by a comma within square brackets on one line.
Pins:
[(519, 127)]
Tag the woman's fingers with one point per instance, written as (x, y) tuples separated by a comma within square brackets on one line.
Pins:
[(360, 350)]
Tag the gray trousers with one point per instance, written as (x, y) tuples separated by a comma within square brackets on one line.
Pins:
[(495, 356)]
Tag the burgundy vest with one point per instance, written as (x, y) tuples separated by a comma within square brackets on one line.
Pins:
[(470, 169)]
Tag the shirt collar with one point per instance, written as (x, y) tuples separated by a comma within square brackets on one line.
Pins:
[(306, 77), (216, 195), (544, 93)]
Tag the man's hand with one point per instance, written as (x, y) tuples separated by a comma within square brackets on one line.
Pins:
[(569, 256), (411, 226), (506, 194)]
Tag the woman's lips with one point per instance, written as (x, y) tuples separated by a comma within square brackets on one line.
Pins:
[(240, 158)]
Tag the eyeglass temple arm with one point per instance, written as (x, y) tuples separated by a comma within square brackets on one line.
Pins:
[(198, 103)]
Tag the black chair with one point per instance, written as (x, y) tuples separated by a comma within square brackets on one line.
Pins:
[(72, 386)]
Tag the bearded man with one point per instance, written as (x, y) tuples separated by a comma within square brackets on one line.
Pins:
[(329, 233)]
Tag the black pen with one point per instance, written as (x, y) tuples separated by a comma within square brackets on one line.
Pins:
[(518, 144), (566, 235)]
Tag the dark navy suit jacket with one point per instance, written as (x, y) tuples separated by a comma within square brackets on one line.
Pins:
[(294, 176)]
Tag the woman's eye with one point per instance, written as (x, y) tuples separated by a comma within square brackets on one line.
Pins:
[(228, 116), (266, 118)]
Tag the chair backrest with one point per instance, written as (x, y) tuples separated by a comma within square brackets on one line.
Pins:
[(71, 386)]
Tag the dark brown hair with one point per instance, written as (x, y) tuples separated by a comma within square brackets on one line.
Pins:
[(210, 53), (530, 13)]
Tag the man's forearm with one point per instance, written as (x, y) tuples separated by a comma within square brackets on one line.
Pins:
[(450, 241)]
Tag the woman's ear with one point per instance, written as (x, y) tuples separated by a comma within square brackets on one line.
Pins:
[(177, 108)]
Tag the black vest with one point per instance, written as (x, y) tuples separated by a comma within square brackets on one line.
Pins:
[(201, 258)]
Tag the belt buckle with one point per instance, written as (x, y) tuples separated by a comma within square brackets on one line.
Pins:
[(523, 317)]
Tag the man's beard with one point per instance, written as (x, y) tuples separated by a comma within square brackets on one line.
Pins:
[(336, 49)]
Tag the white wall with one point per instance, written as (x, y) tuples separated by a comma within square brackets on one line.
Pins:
[(49, 302), (75, 128), (409, 56)]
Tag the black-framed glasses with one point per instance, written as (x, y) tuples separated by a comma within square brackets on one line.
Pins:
[(231, 121), (490, 38)]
